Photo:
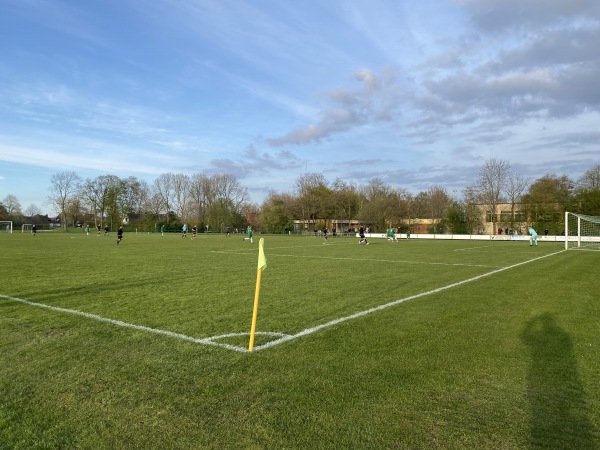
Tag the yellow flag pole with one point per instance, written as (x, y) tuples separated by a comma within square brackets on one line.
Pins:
[(255, 311), (262, 263)]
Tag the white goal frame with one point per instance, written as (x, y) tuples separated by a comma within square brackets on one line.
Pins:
[(582, 232), (26, 227), (6, 225)]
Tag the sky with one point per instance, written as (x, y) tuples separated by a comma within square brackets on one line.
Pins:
[(417, 93)]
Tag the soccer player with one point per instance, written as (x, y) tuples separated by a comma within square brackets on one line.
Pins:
[(391, 236), (98, 234), (325, 233), (361, 233), (184, 230), (87, 229), (120, 234), (249, 233), (106, 230), (194, 230), (532, 236), (33, 229), (162, 230)]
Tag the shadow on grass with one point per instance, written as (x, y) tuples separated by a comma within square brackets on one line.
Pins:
[(559, 414)]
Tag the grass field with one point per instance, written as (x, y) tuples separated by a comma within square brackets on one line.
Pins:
[(415, 344)]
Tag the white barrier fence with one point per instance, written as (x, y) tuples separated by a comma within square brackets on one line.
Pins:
[(484, 237)]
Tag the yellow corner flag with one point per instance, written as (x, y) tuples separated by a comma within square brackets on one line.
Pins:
[(262, 264), (262, 261)]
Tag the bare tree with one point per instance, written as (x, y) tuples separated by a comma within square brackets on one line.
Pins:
[(590, 180), (379, 199), (346, 200), (11, 204), (134, 195), (201, 195), (228, 188), (307, 188), (98, 194), (439, 203), (154, 204), (32, 210), (64, 185), (515, 187), (488, 187), (180, 195), (163, 186)]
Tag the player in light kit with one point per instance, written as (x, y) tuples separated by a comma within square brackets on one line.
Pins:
[(532, 236)]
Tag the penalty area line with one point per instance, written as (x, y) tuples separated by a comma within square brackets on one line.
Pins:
[(393, 303)]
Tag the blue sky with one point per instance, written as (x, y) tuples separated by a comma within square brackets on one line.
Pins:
[(418, 93)]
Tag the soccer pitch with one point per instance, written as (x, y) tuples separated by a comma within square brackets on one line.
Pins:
[(419, 343)]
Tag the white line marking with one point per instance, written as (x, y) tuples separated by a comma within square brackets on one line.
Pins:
[(282, 336), (471, 248), (361, 259), (205, 341), (394, 303)]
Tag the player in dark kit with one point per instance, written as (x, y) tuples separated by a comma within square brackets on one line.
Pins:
[(119, 234)]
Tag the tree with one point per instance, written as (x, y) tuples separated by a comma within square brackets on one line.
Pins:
[(200, 196), (587, 193), (32, 210), (134, 196), (515, 186), (439, 203), (180, 195), (374, 211), (163, 187), (64, 185), (3, 212), (11, 205), (101, 196), (310, 196), (276, 213), (546, 201), (487, 190), (590, 180), (227, 187), (346, 199)]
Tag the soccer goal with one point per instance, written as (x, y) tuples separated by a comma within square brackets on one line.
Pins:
[(26, 227), (5, 226), (582, 232)]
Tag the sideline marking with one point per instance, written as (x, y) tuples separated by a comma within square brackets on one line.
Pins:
[(282, 337), (233, 252)]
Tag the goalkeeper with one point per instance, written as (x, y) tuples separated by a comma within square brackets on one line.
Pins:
[(532, 236)]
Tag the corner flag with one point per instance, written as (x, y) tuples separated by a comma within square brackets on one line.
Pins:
[(262, 261), (262, 264)]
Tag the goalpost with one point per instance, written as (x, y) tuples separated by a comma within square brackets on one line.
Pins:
[(26, 227), (6, 226), (582, 232)]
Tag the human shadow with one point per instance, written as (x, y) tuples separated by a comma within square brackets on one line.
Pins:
[(559, 413)]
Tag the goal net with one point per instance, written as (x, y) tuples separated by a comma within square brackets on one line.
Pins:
[(5, 226), (26, 227), (582, 232)]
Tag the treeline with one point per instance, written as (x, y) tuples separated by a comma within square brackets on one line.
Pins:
[(219, 201)]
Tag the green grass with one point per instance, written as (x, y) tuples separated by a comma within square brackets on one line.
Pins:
[(506, 361)]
